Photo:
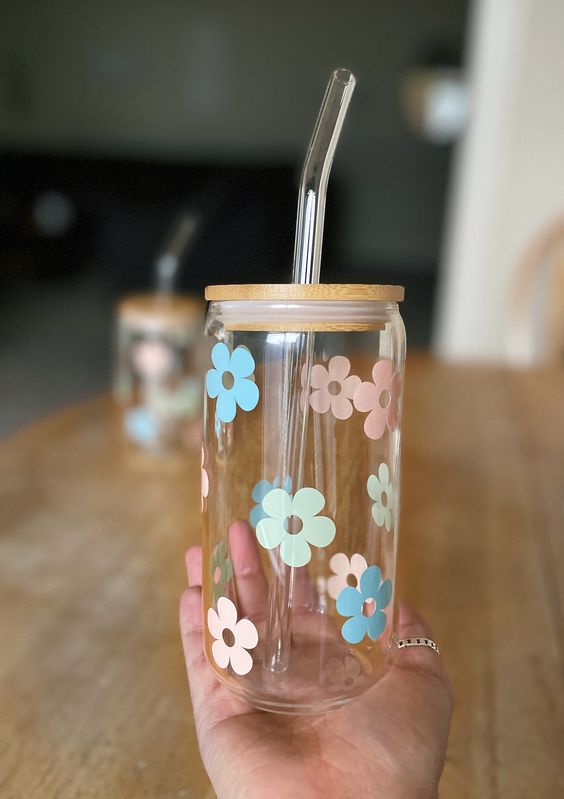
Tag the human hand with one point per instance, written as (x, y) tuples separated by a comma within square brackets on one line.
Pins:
[(389, 742)]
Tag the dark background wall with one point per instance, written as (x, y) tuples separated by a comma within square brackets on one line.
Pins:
[(116, 116)]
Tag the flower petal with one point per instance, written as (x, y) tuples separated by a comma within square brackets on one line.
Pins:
[(352, 668), (384, 594), (225, 407), (335, 585), (320, 400), (341, 407), (319, 530), (366, 397), (395, 386), (295, 550), (278, 503), (246, 393), (340, 564), (226, 571), (242, 362), (382, 374), (319, 376), (220, 356), (334, 670), (257, 513), (227, 613), (339, 367), (358, 564), (393, 418), (261, 489), (220, 652), (246, 634), (219, 552), (370, 582), (373, 487), (214, 623), (350, 385), (375, 423), (388, 518), (205, 483), (354, 629), (393, 407), (384, 474), (376, 624), (270, 532), (349, 602), (307, 502), (213, 383), (141, 425), (241, 661), (378, 514)]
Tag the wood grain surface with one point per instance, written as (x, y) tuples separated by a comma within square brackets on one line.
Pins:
[(93, 697)]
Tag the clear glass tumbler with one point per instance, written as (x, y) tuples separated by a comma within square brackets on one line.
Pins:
[(156, 378), (300, 489)]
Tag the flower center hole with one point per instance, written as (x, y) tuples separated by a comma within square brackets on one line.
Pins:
[(384, 499), (293, 525), (227, 380), (228, 637), (385, 398), (369, 607), (334, 388), (351, 580), (217, 575)]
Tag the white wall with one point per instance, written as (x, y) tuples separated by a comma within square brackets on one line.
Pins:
[(508, 184)]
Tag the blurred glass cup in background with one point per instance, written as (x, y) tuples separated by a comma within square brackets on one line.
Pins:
[(157, 374)]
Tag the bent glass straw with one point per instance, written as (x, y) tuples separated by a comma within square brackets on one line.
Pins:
[(298, 348)]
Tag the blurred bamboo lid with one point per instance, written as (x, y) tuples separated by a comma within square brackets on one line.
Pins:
[(161, 312), (306, 291)]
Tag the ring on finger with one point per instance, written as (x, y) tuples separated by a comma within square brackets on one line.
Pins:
[(418, 641)]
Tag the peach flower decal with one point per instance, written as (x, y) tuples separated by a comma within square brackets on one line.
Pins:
[(153, 359), (381, 398), (333, 388), (345, 572), (205, 479), (232, 638)]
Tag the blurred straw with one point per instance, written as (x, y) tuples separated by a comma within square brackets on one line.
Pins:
[(166, 267)]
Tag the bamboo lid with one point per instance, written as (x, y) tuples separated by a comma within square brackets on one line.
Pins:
[(306, 291), (161, 312)]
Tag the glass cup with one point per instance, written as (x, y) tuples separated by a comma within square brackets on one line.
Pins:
[(156, 378), (300, 490)]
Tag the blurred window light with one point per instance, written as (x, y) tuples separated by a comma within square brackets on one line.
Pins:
[(53, 214), (435, 102)]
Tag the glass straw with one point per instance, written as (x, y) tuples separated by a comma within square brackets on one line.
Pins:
[(298, 347)]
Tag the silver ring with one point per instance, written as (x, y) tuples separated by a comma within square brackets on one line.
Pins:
[(403, 642)]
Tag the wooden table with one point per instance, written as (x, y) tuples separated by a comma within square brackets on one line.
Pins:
[(93, 699)]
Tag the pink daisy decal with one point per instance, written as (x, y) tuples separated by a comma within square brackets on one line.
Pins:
[(333, 388), (381, 399)]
